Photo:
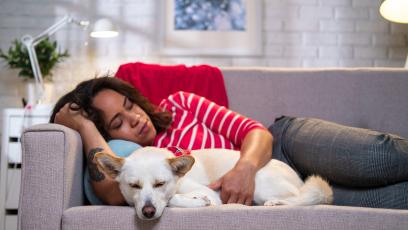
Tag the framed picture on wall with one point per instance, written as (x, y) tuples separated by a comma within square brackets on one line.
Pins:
[(211, 27)]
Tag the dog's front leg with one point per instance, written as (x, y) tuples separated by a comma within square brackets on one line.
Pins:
[(192, 194), (189, 201)]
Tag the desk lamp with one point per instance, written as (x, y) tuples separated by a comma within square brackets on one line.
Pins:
[(102, 28)]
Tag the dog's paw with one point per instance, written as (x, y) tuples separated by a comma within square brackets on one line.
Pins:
[(202, 199), (274, 203), (190, 201)]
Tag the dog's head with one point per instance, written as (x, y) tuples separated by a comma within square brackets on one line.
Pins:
[(147, 178)]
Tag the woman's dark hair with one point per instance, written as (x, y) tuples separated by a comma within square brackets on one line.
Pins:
[(85, 91)]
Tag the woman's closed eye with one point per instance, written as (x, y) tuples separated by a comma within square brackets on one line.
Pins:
[(128, 104), (116, 124), (117, 121)]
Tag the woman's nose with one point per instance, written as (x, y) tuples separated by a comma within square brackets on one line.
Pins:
[(134, 119)]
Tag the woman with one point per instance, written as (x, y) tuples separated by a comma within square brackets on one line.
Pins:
[(366, 168), (107, 108)]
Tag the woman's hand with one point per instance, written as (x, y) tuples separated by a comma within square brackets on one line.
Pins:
[(72, 118), (238, 185)]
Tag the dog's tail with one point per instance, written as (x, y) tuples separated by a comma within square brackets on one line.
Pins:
[(314, 191)]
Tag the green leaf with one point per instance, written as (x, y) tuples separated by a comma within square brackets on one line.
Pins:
[(47, 54)]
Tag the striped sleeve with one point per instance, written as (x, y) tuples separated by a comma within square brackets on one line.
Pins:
[(218, 119)]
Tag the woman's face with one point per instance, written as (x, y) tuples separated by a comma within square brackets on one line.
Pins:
[(124, 119)]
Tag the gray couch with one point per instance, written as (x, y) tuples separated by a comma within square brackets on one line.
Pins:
[(52, 192)]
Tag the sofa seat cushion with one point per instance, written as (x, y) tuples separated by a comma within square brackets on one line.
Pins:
[(234, 216)]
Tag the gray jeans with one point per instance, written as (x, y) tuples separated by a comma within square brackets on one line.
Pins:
[(366, 168)]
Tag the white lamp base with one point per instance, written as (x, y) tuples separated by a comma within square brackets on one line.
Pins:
[(33, 91)]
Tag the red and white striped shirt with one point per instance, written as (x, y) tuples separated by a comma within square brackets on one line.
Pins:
[(199, 123)]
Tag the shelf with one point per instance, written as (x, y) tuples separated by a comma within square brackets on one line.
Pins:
[(13, 188), (11, 222)]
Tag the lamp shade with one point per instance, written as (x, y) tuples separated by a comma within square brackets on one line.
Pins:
[(395, 10), (104, 28)]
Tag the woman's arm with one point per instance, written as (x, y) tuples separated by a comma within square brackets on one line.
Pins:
[(256, 151), (106, 188)]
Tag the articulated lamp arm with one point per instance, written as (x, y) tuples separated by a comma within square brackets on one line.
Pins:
[(30, 44)]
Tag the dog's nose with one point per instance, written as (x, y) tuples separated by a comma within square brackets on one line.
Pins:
[(148, 211)]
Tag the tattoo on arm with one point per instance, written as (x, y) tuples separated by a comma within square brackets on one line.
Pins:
[(94, 172)]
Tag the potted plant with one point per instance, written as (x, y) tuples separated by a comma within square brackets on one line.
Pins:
[(47, 54)]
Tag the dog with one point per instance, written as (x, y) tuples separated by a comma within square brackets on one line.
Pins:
[(152, 178)]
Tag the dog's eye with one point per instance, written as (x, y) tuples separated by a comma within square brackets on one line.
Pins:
[(159, 184), (135, 185)]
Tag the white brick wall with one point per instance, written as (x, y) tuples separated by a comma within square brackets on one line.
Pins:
[(296, 33)]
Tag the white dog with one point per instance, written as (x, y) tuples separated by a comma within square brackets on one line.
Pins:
[(152, 178)]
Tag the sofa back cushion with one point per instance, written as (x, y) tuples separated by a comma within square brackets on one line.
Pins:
[(367, 98)]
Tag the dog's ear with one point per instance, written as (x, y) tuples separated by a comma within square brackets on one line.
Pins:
[(181, 165), (109, 163)]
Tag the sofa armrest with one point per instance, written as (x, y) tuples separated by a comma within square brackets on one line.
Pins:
[(51, 178)]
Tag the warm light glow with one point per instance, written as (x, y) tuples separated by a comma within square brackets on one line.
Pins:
[(395, 10), (104, 28), (104, 34)]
